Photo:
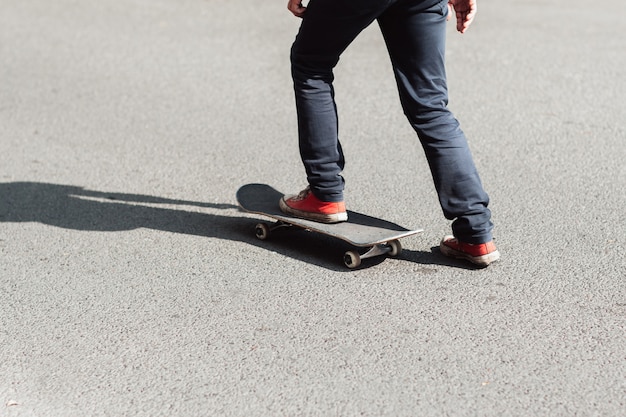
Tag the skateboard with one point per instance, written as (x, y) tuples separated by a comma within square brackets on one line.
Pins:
[(378, 237)]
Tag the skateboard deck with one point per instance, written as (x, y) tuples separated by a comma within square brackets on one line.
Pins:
[(379, 236)]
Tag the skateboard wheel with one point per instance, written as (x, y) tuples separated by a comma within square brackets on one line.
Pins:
[(395, 246), (352, 259), (262, 231)]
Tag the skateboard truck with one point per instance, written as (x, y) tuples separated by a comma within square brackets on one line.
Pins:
[(352, 259), (264, 230)]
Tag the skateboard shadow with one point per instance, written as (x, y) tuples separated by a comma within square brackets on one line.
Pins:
[(77, 208)]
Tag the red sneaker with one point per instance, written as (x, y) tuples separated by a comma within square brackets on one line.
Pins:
[(481, 254), (306, 206)]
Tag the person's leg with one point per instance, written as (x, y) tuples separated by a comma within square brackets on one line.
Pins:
[(328, 27), (414, 33)]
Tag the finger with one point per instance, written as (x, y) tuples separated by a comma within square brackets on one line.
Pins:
[(464, 19), (296, 8), (470, 13), (460, 21)]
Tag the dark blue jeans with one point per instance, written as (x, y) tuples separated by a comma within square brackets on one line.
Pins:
[(414, 32)]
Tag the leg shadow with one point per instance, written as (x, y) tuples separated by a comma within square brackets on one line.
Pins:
[(77, 208)]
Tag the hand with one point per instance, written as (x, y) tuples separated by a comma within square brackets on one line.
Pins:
[(296, 7), (465, 13)]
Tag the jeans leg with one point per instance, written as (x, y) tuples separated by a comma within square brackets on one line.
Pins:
[(327, 29), (415, 38)]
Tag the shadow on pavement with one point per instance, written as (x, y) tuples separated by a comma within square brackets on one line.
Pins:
[(76, 208)]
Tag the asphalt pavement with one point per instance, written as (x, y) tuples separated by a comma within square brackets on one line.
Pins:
[(131, 285)]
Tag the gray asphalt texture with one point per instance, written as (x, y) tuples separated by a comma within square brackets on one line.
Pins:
[(132, 286)]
